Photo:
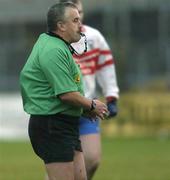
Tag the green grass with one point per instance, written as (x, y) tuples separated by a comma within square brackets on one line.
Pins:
[(123, 159), (135, 159), (18, 162)]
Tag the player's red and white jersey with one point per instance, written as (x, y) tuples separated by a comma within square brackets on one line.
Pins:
[(97, 64)]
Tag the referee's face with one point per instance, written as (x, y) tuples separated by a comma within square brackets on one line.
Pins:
[(72, 25)]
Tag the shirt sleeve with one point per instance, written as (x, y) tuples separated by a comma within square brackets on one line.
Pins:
[(56, 66), (106, 73)]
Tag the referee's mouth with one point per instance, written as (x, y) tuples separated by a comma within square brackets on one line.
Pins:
[(79, 33)]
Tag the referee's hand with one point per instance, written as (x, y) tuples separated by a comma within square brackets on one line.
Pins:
[(99, 110)]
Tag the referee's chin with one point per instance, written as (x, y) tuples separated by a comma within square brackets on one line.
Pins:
[(77, 37)]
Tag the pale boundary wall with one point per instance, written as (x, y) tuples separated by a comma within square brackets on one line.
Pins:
[(13, 120)]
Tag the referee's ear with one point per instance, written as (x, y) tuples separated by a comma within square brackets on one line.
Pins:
[(61, 26)]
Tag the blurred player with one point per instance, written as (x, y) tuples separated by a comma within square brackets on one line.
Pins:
[(97, 64)]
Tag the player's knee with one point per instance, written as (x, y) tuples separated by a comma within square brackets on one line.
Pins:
[(91, 169), (92, 161), (95, 159), (93, 164)]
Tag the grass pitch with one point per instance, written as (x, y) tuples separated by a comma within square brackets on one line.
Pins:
[(123, 159)]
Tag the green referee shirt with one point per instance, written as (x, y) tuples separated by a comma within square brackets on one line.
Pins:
[(49, 71)]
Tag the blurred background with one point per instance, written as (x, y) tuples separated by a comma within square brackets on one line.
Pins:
[(138, 32)]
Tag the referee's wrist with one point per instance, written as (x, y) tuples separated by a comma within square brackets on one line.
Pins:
[(93, 105)]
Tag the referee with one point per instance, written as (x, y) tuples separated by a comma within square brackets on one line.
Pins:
[(52, 93)]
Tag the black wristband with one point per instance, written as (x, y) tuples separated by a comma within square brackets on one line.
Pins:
[(93, 105)]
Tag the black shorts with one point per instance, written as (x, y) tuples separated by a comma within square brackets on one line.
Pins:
[(54, 138)]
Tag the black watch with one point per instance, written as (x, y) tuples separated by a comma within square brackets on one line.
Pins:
[(93, 105)]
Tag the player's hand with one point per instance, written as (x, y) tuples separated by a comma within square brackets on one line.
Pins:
[(112, 108)]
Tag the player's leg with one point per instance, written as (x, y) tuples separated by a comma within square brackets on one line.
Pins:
[(92, 153), (91, 145)]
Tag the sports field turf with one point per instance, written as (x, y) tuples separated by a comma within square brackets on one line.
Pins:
[(123, 159)]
